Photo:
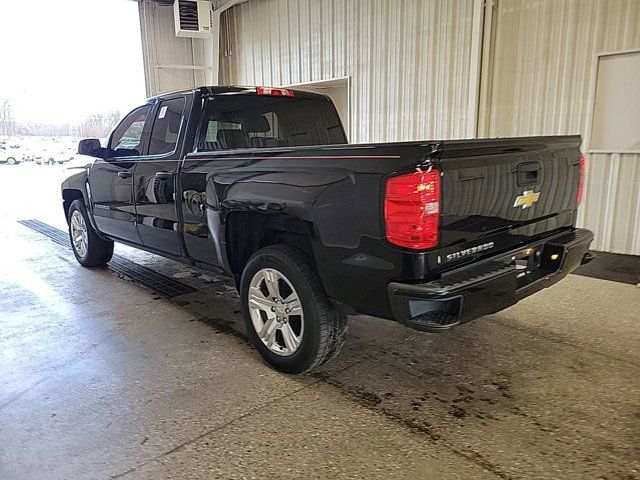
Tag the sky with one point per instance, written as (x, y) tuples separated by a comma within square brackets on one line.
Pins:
[(62, 60)]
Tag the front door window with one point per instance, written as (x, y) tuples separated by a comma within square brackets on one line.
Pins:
[(126, 140)]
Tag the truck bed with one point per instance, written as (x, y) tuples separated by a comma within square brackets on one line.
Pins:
[(338, 191)]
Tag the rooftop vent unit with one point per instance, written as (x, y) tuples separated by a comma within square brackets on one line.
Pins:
[(192, 18)]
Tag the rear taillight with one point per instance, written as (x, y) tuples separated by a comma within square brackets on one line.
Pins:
[(583, 168), (412, 209)]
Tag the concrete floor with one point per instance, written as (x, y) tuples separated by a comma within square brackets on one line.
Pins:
[(101, 378)]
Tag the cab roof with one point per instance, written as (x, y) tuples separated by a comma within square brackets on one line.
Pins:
[(238, 90)]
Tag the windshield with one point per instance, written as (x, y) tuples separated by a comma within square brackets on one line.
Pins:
[(254, 121)]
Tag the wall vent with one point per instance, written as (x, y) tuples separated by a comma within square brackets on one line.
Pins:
[(192, 18)]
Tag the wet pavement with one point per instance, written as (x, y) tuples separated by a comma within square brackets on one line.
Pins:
[(102, 378)]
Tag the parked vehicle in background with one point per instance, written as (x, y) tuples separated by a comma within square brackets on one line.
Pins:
[(260, 183), (27, 154), (10, 156), (51, 157)]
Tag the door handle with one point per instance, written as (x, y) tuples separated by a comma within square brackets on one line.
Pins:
[(528, 173), (124, 174), (162, 175)]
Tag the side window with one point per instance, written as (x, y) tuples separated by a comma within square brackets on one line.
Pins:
[(126, 140), (213, 126), (265, 121), (166, 126), (238, 126)]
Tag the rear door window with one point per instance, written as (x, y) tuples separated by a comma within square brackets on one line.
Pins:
[(166, 126)]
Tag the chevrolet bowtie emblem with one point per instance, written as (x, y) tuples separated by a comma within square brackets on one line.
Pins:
[(527, 199)]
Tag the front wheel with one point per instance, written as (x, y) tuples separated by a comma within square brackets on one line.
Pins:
[(89, 249), (287, 314), (11, 161), (52, 161)]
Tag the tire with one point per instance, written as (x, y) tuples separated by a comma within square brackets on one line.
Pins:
[(322, 329), (96, 252), (11, 161), (51, 161)]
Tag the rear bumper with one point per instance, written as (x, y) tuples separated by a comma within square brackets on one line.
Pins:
[(488, 286)]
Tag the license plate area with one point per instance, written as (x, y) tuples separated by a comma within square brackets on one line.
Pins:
[(537, 262)]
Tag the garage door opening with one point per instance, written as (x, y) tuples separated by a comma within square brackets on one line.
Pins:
[(338, 91), (74, 75)]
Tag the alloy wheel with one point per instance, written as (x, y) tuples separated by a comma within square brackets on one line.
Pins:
[(276, 311), (79, 235)]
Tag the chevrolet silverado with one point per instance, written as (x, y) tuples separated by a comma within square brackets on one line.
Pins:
[(260, 184)]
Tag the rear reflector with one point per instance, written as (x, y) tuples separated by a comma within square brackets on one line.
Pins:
[(277, 92), (583, 169), (412, 210)]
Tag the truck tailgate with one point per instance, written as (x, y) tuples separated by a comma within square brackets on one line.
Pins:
[(499, 193)]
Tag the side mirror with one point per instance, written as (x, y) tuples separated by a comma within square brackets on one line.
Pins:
[(90, 147)]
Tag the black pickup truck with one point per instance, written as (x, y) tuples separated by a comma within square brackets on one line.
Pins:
[(259, 183)]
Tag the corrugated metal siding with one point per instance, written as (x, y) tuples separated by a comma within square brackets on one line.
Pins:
[(612, 204), (408, 61), (161, 48), (543, 56), (541, 71)]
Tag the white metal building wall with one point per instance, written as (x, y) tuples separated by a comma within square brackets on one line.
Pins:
[(612, 206), (170, 63), (409, 62), (539, 82)]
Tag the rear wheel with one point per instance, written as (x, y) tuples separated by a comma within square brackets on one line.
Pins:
[(11, 161), (89, 249), (52, 161), (287, 314)]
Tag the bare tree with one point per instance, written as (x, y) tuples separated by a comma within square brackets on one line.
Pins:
[(99, 124), (96, 125), (7, 125)]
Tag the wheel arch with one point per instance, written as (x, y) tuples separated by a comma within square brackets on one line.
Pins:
[(248, 232), (68, 196)]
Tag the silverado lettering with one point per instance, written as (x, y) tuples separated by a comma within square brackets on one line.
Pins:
[(469, 251)]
